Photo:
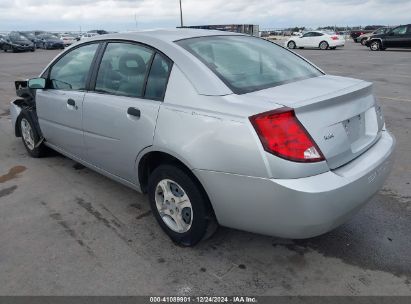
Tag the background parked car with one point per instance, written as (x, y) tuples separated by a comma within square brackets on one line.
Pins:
[(49, 41), (364, 37), (30, 36), (398, 37), (16, 42), (67, 39), (316, 39), (2, 40), (88, 35), (355, 34)]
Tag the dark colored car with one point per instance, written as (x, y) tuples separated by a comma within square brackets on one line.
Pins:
[(16, 42), (30, 36), (2, 40), (398, 37), (100, 32), (49, 41)]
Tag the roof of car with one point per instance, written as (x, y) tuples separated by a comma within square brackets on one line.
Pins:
[(168, 35)]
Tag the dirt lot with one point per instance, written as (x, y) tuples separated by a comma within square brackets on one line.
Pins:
[(67, 230)]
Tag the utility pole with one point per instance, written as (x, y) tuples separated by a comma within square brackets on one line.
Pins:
[(181, 15)]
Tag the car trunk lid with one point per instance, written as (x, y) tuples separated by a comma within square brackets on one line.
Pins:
[(339, 113)]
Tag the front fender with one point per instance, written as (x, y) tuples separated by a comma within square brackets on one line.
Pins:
[(15, 111)]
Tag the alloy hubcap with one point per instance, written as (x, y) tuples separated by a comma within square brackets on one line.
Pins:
[(291, 45), (174, 206), (323, 46), (374, 46), (27, 133)]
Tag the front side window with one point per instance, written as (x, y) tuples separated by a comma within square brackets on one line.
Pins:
[(71, 71), (123, 69), (246, 64), (401, 30)]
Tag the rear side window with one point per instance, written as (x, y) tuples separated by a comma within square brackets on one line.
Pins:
[(158, 78), (71, 71), (123, 69)]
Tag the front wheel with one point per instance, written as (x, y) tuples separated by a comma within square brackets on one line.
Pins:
[(375, 45), (31, 137), (179, 205), (324, 45)]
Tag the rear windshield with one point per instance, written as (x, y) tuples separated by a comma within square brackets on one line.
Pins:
[(246, 64)]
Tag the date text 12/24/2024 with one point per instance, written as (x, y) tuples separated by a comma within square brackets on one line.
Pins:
[(203, 299)]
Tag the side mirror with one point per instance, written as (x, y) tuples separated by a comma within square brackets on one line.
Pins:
[(37, 83)]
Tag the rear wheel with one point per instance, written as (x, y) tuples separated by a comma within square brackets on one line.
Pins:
[(291, 45), (31, 137), (179, 205), (324, 45), (375, 45)]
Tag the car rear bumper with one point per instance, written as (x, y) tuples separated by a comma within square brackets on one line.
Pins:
[(299, 208)]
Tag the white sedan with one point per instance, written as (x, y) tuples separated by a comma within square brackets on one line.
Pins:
[(316, 39)]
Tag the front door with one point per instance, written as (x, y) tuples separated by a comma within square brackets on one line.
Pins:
[(397, 37), (120, 114), (59, 106), (306, 40)]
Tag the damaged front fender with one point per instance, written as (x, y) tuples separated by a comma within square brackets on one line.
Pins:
[(25, 104)]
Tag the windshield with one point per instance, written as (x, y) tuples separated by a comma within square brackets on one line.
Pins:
[(17, 37), (246, 64), (49, 37), (29, 35)]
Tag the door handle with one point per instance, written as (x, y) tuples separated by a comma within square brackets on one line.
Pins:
[(134, 112), (71, 102)]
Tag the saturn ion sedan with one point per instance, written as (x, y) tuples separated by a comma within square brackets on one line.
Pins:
[(216, 127), (316, 39)]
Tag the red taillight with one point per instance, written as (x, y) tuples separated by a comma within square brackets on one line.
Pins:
[(283, 135), (334, 37)]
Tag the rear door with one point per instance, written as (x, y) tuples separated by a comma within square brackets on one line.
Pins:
[(317, 38), (120, 114), (59, 106)]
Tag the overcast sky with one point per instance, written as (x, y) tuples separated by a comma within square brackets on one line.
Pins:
[(119, 15)]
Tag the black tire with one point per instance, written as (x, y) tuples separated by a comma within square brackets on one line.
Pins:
[(41, 149), (333, 48), (203, 223), (323, 45), (375, 45), (291, 45)]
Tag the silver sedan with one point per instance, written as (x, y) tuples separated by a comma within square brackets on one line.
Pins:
[(217, 128)]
